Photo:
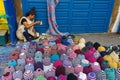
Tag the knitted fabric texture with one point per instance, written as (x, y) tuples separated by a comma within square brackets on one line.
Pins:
[(71, 76), (46, 68), (69, 70), (96, 54), (104, 65), (20, 67), (87, 69), (114, 57), (113, 64), (54, 57), (12, 63), (96, 45), (40, 78), (60, 70), (100, 59), (22, 55), (28, 75), (63, 57), (89, 44), (75, 61), (76, 40), (91, 76), (62, 77), (95, 66), (81, 56), (78, 68), (38, 65), (7, 76), (49, 73), (101, 48), (82, 76), (81, 45), (117, 73), (57, 63), (46, 61), (110, 73), (82, 40), (101, 75), (103, 53), (51, 78), (21, 61), (17, 74), (84, 62), (38, 72), (30, 60), (29, 67), (38, 56), (67, 63), (9, 69), (14, 56)]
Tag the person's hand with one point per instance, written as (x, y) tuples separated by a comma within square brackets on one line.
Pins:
[(37, 22)]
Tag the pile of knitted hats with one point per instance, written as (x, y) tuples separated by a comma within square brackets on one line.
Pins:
[(63, 58)]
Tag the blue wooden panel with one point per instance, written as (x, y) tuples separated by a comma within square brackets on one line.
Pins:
[(74, 16)]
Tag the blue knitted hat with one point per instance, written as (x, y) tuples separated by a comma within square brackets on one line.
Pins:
[(54, 57), (91, 76), (12, 63)]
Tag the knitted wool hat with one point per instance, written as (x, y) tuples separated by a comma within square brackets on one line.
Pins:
[(78, 68), (107, 58), (22, 55), (67, 63), (46, 61), (40, 49), (62, 77), (75, 61), (49, 73), (69, 50), (28, 75), (47, 49), (20, 67), (76, 40), (38, 65), (101, 48), (91, 59), (84, 62), (89, 44), (61, 47), (101, 75), (54, 57), (14, 56), (29, 67), (87, 69), (118, 63), (51, 78), (58, 40), (82, 40), (76, 47), (12, 63), (46, 68), (7, 76), (96, 45), (38, 72), (63, 57), (81, 56), (117, 73), (95, 66), (104, 65), (82, 76), (85, 49), (57, 63), (30, 60), (38, 56), (112, 64), (96, 54), (60, 70), (72, 55), (91, 76), (21, 61), (78, 51), (103, 53), (110, 73), (69, 70), (100, 59), (18, 74), (114, 56), (40, 78), (81, 45), (71, 76), (31, 52), (9, 69)]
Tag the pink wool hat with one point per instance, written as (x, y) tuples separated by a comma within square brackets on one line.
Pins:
[(57, 63), (9, 69), (62, 77), (7, 76), (69, 70), (30, 60), (95, 66), (78, 68), (72, 56)]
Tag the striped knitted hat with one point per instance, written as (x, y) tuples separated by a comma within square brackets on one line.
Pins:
[(91, 76), (38, 65), (114, 56), (28, 75), (100, 75), (81, 56), (117, 73), (84, 62)]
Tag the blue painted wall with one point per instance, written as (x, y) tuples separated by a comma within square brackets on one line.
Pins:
[(74, 16)]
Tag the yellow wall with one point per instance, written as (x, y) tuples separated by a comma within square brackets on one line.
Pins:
[(2, 20)]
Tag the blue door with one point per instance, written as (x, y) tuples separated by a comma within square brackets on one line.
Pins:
[(74, 16)]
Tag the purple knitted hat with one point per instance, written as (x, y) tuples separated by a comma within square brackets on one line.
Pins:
[(63, 57), (38, 65), (67, 63)]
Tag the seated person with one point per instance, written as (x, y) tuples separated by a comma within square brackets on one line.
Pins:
[(26, 30)]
